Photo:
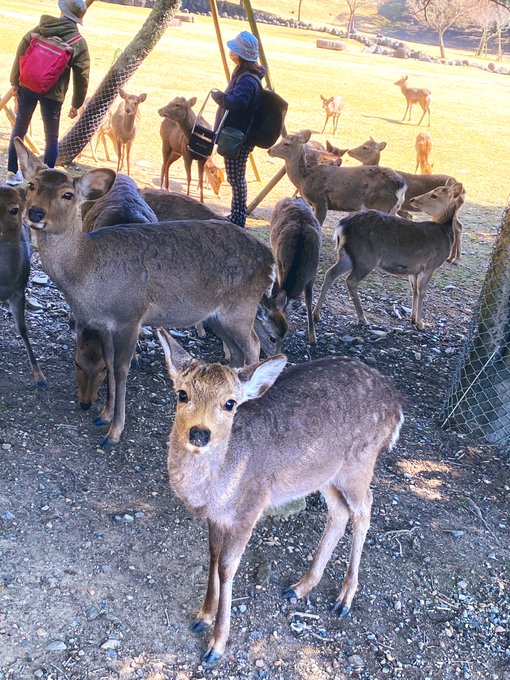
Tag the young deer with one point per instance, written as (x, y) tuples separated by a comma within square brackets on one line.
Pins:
[(116, 279), (333, 107), (174, 145), (330, 187), (123, 126), (423, 146), (15, 266), (295, 237), (318, 426), (373, 240), (369, 153), (415, 95)]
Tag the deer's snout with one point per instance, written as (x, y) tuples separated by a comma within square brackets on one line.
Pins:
[(36, 214), (199, 436)]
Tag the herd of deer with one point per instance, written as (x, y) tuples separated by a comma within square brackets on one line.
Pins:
[(249, 436)]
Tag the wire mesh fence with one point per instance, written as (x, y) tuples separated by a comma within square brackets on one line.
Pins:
[(479, 399)]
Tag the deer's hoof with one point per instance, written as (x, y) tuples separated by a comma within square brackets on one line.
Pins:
[(211, 657), (199, 626), (85, 405), (100, 421), (107, 443), (341, 610), (289, 593), (41, 383)]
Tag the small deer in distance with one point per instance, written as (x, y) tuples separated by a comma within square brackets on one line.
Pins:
[(123, 123), (423, 146), (333, 107), (415, 95)]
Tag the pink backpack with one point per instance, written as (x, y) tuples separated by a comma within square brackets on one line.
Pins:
[(44, 61)]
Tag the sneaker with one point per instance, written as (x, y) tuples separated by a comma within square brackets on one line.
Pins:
[(14, 178)]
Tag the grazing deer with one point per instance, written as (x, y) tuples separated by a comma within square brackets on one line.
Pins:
[(175, 145), (180, 110), (415, 95), (423, 146), (123, 126), (295, 237), (122, 205), (369, 153), (116, 279), (373, 240), (15, 266), (333, 107), (319, 425), (330, 187)]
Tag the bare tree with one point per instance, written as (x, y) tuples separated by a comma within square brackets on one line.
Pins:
[(299, 10), (354, 6), (482, 15), (501, 23), (440, 15)]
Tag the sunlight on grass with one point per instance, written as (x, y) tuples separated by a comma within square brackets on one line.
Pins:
[(469, 108)]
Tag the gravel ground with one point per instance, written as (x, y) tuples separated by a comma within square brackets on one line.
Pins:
[(102, 570)]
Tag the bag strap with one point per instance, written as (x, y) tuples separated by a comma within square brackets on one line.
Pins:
[(74, 39)]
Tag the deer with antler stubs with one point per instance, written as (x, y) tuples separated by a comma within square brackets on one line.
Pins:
[(244, 440)]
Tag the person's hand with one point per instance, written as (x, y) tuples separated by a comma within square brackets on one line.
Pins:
[(14, 90), (73, 112), (217, 96)]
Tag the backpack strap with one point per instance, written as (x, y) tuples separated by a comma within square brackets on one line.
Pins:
[(74, 39)]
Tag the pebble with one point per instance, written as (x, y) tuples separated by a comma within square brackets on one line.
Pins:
[(8, 516), (111, 643), (40, 279), (356, 661), (6, 447), (56, 646), (33, 303)]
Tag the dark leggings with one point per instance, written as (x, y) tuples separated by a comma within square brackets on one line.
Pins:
[(50, 113), (236, 176)]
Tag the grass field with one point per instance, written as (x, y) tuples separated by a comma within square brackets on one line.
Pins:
[(469, 110)]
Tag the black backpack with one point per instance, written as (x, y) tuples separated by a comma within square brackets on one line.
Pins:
[(268, 118)]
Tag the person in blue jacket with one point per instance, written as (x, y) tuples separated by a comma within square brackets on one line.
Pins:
[(240, 99)]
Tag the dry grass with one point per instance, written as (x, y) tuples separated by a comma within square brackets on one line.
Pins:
[(469, 111)]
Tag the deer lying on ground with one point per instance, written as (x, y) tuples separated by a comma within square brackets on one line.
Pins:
[(373, 240), (124, 122), (369, 153), (415, 95), (15, 266), (319, 425), (330, 187), (295, 237), (423, 146), (175, 145), (333, 107), (115, 279)]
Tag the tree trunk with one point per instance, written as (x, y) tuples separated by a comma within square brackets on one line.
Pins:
[(479, 398), (482, 46), (142, 44), (299, 10), (440, 34), (499, 31), (350, 26)]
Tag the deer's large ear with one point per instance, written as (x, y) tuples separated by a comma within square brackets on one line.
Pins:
[(380, 146), (175, 356), (304, 136), (29, 163), (142, 97), (192, 101), (95, 183), (257, 378)]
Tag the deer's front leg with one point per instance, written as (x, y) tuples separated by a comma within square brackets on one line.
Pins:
[(206, 615), (229, 558)]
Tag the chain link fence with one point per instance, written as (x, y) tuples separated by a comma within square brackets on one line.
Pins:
[(479, 398)]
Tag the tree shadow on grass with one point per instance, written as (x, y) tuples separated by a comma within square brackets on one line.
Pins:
[(391, 120)]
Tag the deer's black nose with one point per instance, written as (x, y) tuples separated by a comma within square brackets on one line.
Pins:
[(36, 214), (199, 437)]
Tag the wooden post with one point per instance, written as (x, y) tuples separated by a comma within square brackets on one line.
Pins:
[(269, 187)]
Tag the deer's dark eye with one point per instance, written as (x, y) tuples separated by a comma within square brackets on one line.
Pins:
[(182, 396), (14, 211), (68, 196), (31, 186), (229, 405)]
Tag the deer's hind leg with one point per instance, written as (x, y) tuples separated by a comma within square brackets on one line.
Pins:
[(338, 516)]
